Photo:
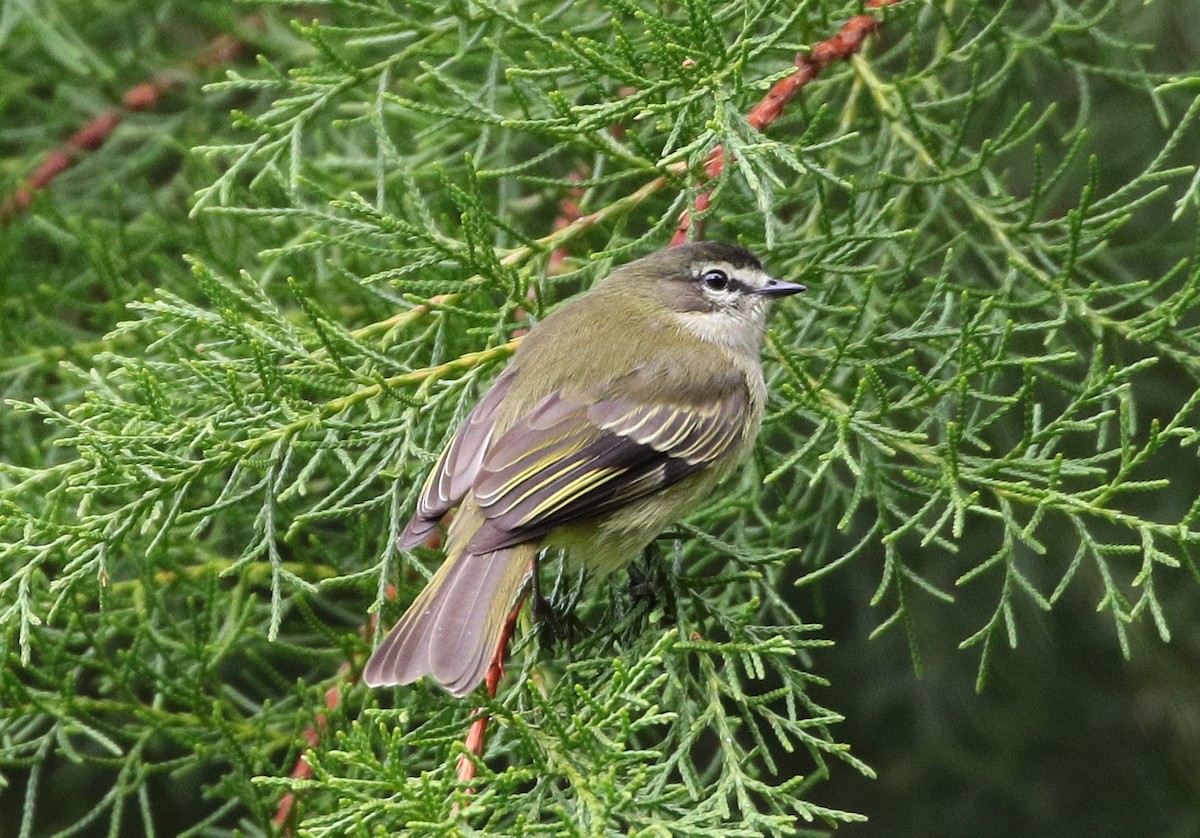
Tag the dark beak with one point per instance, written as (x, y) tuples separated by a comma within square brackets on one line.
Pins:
[(779, 288)]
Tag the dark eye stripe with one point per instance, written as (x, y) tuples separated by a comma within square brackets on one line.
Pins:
[(720, 280)]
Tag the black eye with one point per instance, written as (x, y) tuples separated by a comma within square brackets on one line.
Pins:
[(716, 280)]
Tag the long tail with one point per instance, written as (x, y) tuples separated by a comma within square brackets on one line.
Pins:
[(453, 626)]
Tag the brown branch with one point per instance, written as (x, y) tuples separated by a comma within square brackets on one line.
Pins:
[(346, 676), (142, 97), (284, 813), (569, 212), (845, 43), (477, 735)]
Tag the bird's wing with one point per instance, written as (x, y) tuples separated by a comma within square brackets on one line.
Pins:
[(458, 465), (569, 459)]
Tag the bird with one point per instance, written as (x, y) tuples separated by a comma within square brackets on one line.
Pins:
[(617, 414)]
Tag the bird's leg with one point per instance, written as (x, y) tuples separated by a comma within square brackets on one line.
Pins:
[(641, 583), (544, 617), (650, 586), (539, 606), (554, 615)]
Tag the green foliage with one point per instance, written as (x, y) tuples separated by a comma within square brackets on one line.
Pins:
[(992, 383)]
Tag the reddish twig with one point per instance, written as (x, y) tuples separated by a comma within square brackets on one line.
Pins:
[(845, 43), (569, 212), (312, 736), (477, 735), (142, 97), (302, 770)]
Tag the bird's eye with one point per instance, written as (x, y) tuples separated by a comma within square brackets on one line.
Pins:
[(715, 280)]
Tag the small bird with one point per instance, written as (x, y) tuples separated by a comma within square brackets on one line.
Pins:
[(618, 413)]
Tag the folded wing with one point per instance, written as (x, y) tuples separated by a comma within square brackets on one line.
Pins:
[(569, 459)]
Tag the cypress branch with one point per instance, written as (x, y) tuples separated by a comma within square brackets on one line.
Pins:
[(984, 411)]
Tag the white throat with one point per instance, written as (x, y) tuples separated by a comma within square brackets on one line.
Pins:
[(739, 331)]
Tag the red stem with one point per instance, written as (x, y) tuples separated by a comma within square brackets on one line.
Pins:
[(312, 735), (146, 96), (845, 43), (301, 770), (477, 735)]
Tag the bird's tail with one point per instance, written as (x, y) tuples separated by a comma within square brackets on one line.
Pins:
[(453, 627)]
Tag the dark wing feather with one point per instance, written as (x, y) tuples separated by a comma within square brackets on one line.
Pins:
[(458, 465), (566, 461)]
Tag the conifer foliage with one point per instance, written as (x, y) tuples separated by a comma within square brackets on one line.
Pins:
[(231, 348)]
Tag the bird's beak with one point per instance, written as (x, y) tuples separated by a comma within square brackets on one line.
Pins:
[(779, 288)]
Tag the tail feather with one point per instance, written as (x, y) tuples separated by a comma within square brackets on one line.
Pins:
[(451, 630)]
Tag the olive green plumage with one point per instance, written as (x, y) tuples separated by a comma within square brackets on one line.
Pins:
[(618, 413)]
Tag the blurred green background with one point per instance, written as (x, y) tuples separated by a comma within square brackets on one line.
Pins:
[(1068, 738)]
